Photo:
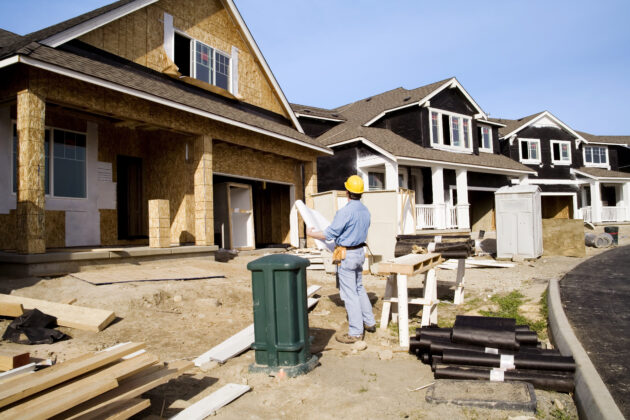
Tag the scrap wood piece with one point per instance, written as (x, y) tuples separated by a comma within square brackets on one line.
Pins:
[(241, 341), (143, 274), (472, 263), (120, 410), (22, 370), (13, 359), (410, 264), (19, 387), (210, 404), (11, 309), (129, 388), (79, 317)]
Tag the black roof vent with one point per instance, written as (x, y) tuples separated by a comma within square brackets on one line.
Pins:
[(368, 99), (308, 111), (407, 98), (335, 115)]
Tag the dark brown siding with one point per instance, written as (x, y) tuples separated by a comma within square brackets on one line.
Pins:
[(332, 171), (316, 128), (405, 122)]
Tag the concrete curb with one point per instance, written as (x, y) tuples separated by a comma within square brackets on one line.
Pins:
[(591, 394)]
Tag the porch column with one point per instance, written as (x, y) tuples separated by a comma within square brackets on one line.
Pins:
[(31, 232), (626, 200), (391, 176), (437, 184), (204, 207), (596, 202), (463, 217), (310, 188)]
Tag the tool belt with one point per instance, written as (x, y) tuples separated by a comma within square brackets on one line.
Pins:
[(339, 254)]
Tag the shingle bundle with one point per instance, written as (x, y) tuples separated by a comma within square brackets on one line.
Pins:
[(493, 349), (452, 246)]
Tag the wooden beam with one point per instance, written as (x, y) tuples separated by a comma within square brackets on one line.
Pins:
[(79, 317), (410, 264), (18, 388), (13, 359), (210, 404), (11, 309), (118, 410)]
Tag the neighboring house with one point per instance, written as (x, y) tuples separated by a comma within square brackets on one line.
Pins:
[(143, 100), (434, 140), (573, 168)]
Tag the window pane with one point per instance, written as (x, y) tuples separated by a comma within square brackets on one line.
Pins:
[(466, 124), (376, 180), (602, 152), (435, 128), (455, 131), (588, 154), (533, 150), (524, 150), (69, 155), (203, 55), (222, 70), (596, 155), (485, 137), (555, 151), (401, 181), (565, 151)]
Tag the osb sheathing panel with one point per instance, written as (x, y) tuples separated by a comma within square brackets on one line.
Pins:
[(8, 230), (55, 223), (56, 118), (563, 237), (139, 37)]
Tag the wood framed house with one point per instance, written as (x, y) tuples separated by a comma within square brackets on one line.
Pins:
[(142, 100), (434, 140), (573, 169)]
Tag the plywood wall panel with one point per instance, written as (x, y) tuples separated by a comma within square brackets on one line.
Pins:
[(55, 229)]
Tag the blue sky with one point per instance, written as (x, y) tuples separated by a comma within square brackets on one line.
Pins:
[(514, 57)]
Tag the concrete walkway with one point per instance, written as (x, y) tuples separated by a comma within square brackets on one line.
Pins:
[(595, 297)]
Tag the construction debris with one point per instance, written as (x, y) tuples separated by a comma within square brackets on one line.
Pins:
[(452, 246), (475, 263), (91, 385), (33, 327), (13, 359), (213, 402), (603, 240)]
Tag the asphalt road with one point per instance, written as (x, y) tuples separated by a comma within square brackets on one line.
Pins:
[(596, 299)]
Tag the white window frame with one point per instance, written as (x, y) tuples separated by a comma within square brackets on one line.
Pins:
[(213, 68), (440, 143), (561, 161), (481, 148), (520, 153), (51, 163), (596, 165), (378, 171), (405, 180)]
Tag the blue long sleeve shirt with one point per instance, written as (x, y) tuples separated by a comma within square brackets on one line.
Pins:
[(350, 225)]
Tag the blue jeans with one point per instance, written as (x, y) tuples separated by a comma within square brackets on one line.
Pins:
[(353, 293)]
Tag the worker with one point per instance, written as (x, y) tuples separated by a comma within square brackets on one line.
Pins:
[(349, 230)]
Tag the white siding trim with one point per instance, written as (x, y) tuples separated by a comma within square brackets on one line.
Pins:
[(169, 36), (234, 71)]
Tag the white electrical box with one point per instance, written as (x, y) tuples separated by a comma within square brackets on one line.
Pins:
[(519, 222)]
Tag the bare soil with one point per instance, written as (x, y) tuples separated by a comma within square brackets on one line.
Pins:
[(183, 319)]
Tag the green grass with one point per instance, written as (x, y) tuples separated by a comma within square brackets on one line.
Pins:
[(508, 308), (363, 389)]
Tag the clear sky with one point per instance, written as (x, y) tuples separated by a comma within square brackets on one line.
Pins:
[(515, 57)]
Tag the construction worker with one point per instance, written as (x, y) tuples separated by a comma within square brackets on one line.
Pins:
[(349, 230)]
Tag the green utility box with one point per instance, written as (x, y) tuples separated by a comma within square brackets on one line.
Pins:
[(281, 339)]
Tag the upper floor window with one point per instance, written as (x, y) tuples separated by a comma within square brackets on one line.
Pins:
[(485, 139), (560, 152), (68, 167), (451, 130), (198, 60), (596, 156), (529, 150)]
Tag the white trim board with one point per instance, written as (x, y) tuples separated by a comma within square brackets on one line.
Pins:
[(607, 179), (554, 181), (271, 181), (153, 98), (367, 143), (96, 22), (213, 402)]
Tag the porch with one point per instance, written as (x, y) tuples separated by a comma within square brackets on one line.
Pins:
[(605, 202)]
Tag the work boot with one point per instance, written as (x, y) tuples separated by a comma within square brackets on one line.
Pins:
[(348, 339), (369, 328)]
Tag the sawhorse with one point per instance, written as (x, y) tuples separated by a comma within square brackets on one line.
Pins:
[(398, 271)]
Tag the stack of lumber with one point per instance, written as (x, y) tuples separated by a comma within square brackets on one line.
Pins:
[(104, 384), (314, 255), (493, 349), (79, 317), (452, 246)]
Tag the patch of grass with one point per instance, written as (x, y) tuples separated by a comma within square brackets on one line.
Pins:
[(558, 414), (508, 307), (363, 389)]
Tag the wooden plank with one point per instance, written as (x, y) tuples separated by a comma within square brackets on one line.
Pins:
[(242, 340), (129, 388), (11, 309), (80, 317), (18, 388), (49, 404), (120, 410), (210, 404), (410, 264), (13, 359), (17, 371)]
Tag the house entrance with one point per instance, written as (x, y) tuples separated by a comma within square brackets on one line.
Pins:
[(132, 213)]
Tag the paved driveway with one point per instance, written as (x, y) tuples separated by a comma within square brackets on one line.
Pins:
[(596, 299)]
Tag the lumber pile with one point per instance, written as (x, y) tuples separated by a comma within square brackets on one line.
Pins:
[(314, 255), (452, 246), (73, 316), (494, 349), (11, 360), (104, 384)]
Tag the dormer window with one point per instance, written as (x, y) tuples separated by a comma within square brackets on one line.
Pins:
[(529, 150), (450, 130), (485, 139), (560, 152), (596, 156), (200, 61)]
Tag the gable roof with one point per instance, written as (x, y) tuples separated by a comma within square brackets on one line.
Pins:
[(512, 127), (56, 35), (318, 113), (612, 140), (602, 174)]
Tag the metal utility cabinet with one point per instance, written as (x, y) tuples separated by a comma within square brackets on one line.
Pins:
[(519, 222)]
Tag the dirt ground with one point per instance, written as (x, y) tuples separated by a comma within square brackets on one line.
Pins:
[(183, 319)]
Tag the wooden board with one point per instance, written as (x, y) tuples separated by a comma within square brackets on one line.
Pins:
[(19, 387), (11, 309), (79, 317), (119, 410), (410, 264), (242, 340), (210, 404), (563, 237), (143, 274), (129, 388), (17, 371), (12, 360)]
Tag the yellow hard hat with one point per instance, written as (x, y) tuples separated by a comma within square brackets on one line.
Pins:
[(354, 184)]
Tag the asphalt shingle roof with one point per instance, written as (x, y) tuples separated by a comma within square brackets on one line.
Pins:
[(511, 125), (592, 138), (604, 173)]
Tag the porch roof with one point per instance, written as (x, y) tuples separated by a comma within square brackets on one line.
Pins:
[(592, 138), (601, 174), (402, 148)]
